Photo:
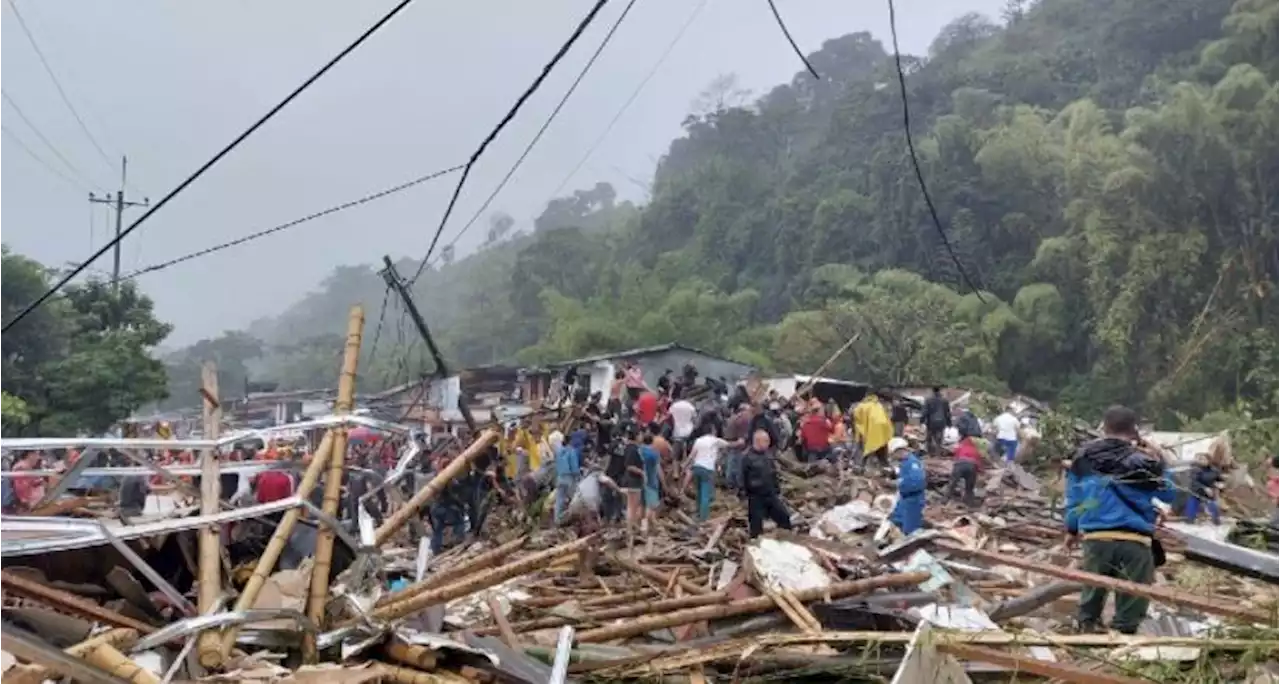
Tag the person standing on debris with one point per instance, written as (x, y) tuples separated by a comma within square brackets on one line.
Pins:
[(447, 512), (704, 457), (1206, 483), (683, 418), (1006, 425), (937, 418), (632, 479), (737, 429), (872, 428), (652, 460), (965, 465), (568, 469), (899, 417), (908, 512), (815, 434), (760, 486), (1109, 506)]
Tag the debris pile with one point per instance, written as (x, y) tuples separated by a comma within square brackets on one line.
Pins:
[(287, 591)]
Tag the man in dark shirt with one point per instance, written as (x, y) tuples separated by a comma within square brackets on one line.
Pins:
[(737, 431), (898, 416), (760, 486), (937, 418)]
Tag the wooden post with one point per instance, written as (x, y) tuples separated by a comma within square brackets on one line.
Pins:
[(319, 593), (112, 660), (210, 553), (425, 495), (267, 562), (481, 562)]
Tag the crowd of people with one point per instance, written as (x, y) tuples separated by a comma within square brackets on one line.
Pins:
[(626, 459)]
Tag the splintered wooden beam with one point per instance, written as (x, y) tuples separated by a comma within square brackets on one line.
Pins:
[(69, 602)]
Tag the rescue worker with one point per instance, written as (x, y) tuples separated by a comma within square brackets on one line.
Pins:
[(908, 513), (872, 429), (965, 466), (568, 469), (1206, 482), (937, 418), (760, 486), (1110, 507)]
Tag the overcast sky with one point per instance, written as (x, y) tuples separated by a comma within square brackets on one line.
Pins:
[(169, 83)]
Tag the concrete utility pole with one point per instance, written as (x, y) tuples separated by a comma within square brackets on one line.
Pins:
[(120, 203)]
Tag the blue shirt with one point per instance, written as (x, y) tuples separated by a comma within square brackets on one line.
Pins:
[(911, 476), (568, 461), (651, 459)]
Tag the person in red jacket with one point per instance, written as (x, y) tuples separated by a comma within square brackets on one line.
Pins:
[(966, 462), (646, 408), (273, 485), (815, 434)]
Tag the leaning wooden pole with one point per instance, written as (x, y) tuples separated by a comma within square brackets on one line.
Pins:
[(319, 594), (422, 497), (208, 647), (267, 562)]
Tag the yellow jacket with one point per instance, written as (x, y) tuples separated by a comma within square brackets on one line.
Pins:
[(871, 424), (522, 440)]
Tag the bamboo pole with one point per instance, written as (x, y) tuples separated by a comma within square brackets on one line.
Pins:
[(210, 554), (319, 592), (479, 582), (759, 604), (645, 607), (35, 674), (413, 655), (70, 602), (267, 562), (108, 658), (655, 575), (485, 560), (423, 496)]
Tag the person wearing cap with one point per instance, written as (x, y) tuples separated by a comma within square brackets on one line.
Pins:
[(908, 513)]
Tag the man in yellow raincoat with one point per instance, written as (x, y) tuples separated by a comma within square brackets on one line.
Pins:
[(872, 429)]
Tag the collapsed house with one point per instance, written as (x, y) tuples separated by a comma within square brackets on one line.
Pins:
[(289, 591)]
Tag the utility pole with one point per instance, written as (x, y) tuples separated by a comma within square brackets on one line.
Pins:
[(395, 282), (120, 204)]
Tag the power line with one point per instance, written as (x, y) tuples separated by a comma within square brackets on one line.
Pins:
[(52, 148), (546, 124), (634, 94), (382, 316), (915, 160), (506, 119), (25, 148), (58, 84), (209, 164), (782, 25), (295, 222)]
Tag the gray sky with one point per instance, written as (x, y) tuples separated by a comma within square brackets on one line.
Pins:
[(170, 83)]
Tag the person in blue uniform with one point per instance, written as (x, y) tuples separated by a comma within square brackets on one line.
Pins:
[(908, 513)]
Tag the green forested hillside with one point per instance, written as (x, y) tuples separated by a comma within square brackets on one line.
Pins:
[(1106, 171)]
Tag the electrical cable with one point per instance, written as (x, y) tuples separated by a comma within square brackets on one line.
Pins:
[(208, 164), (382, 316), (75, 171), (546, 124), (506, 119), (915, 160), (284, 226), (58, 85), (631, 99), (782, 25), (78, 185)]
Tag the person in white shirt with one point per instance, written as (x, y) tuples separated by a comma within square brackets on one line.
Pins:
[(1006, 425), (684, 416), (704, 456)]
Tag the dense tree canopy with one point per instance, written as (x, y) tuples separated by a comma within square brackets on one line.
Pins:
[(81, 362), (1105, 171)]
